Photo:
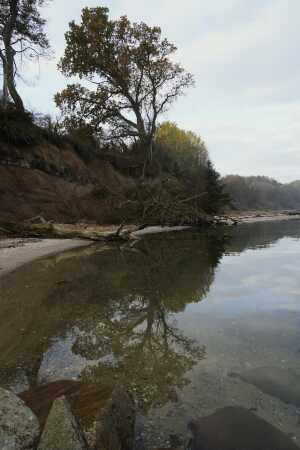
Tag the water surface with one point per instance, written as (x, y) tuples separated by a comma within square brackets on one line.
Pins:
[(188, 322)]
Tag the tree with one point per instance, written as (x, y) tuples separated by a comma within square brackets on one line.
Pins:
[(129, 78), (21, 36), (216, 198), (184, 154), (183, 150)]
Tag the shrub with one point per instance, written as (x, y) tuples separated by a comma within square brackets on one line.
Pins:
[(17, 127)]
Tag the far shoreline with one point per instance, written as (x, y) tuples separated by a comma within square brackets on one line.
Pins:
[(256, 216)]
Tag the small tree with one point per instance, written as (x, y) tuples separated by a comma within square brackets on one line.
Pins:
[(132, 77), (21, 35), (216, 199), (184, 148)]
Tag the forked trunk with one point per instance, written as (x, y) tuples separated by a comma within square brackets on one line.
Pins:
[(11, 86)]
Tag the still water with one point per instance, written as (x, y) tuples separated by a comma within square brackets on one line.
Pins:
[(188, 322)]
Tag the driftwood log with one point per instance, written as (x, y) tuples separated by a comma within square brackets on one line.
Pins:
[(29, 229), (40, 228)]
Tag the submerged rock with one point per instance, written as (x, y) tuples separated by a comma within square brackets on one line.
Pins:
[(282, 383), (116, 423), (19, 428), (62, 432), (236, 428)]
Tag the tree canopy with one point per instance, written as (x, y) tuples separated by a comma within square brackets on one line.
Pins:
[(22, 36), (127, 77), (184, 148)]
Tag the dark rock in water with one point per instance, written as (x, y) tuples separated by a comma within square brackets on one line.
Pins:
[(236, 428), (86, 400), (282, 383), (62, 432), (19, 428), (116, 423)]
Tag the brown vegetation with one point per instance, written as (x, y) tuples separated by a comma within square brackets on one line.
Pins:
[(68, 180)]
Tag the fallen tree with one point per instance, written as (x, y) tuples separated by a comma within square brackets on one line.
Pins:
[(122, 233)]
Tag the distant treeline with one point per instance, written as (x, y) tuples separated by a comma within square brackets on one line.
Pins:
[(259, 192)]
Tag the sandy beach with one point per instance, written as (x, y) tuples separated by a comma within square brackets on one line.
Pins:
[(17, 252)]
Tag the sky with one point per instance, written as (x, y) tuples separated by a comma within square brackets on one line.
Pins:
[(244, 55)]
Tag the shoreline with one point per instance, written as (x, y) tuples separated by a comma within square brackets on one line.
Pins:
[(262, 217), (16, 252)]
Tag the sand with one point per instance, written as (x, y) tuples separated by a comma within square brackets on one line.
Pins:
[(17, 252)]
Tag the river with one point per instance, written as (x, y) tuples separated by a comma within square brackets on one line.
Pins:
[(188, 322)]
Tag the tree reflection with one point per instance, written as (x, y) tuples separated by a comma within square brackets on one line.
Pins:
[(134, 339), (120, 306), (140, 349), (261, 234)]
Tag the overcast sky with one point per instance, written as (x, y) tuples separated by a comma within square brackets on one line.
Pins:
[(245, 55)]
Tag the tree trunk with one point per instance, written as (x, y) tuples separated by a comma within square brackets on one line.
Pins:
[(9, 76), (151, 150), (9, 85), (4, 98), (148, 156), (8, 56), (5, 92)]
